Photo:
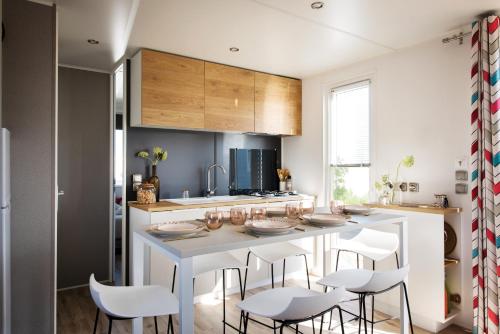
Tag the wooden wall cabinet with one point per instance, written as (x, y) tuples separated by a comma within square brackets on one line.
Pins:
[(229, 98), (167, 91), (170, 91), (278, 105)]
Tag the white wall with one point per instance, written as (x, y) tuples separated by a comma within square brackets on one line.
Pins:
[(420, 106)]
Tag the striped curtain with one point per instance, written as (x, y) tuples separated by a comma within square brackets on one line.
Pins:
[(485, 174)]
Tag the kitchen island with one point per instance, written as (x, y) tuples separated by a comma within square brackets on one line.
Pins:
[(229, 238), (158, 269)]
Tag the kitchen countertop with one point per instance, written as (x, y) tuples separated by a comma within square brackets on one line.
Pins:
[(417, 208), (166, 205)]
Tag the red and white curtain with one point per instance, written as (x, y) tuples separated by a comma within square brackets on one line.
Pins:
[(485, 174)]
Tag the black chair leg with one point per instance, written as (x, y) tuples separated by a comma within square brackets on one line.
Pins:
[(110, 326), (321, 325), (307, 272), (96, 320), (241, 296), (245, 323), (373, 302), (360, 314), (156, 325), (223, 301), (364, 315), (408, 306), (171, 324), (341, 319), (397, 260), (246, 275), (173, 278), (337, 261), (283, 281)]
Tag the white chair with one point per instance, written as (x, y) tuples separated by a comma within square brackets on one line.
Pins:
[(371, 244), (289, 306), (367, 283), (273, 253), (215, 262), (129, 302)]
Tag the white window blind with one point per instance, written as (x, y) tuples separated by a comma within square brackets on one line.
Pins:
[(350, 125)]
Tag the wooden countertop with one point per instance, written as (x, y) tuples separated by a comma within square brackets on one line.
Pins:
[(421, 208), (165, 205)]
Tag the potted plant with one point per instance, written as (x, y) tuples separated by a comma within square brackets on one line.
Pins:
[(159, 154), (388, 188)]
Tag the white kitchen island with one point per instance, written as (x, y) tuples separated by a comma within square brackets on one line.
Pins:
[(230, 238)]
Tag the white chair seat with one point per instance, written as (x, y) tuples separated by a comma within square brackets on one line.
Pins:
[(290, 303), (277, 252), (134, 301), (349, 278), (212, 262), (365, 281), (372, 244)]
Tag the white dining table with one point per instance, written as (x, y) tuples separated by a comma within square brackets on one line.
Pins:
[(230, 237)]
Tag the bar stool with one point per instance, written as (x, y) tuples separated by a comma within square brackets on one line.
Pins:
[(214, 262), (367, 283), (371, 244), (276, 253), (129, 302), (289, 306)]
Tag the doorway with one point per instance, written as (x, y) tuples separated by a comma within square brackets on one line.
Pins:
[(118, 132)]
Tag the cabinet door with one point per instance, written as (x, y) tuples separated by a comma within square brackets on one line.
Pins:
[(278, 105), (172, 89), (229, 98)]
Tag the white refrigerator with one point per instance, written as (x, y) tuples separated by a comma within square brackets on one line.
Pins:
[(5, 230)]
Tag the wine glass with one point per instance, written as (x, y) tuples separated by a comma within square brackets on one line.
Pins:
[(238, 216)]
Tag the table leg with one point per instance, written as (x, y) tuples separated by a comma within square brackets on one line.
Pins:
[(138, 275), (327, 254), (403, 259), (186, 296)]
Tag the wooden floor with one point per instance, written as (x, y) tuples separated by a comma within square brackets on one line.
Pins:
[(76, 314)]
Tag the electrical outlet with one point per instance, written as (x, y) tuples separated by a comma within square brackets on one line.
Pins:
[(461, 163), (413, 187), (403, 186)]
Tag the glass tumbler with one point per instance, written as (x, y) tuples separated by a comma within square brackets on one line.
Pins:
[(337, 207), (213, 220), (238, 216), (258, 213), (293, 210), (308, 207)]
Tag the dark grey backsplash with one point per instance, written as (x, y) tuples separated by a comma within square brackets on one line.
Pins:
[(189, 155)]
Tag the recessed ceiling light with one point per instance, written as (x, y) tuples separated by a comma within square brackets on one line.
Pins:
[(92, 41), (317, 5), (234, 49)]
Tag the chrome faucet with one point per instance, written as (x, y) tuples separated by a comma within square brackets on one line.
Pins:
[(210, 191)]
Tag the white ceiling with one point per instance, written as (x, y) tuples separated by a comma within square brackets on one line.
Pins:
[(285, 37)]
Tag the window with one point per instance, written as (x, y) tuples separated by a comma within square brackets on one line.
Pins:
[(349, 143)]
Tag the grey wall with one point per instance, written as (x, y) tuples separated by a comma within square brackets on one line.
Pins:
[(189, 155), (28, 85), (84, 175)]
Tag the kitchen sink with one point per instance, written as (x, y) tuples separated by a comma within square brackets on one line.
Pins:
[(207, 200)]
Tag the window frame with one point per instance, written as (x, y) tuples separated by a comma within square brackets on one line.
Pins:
[(328, 97)]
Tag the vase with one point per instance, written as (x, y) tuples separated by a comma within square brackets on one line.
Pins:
[(155, 180)]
